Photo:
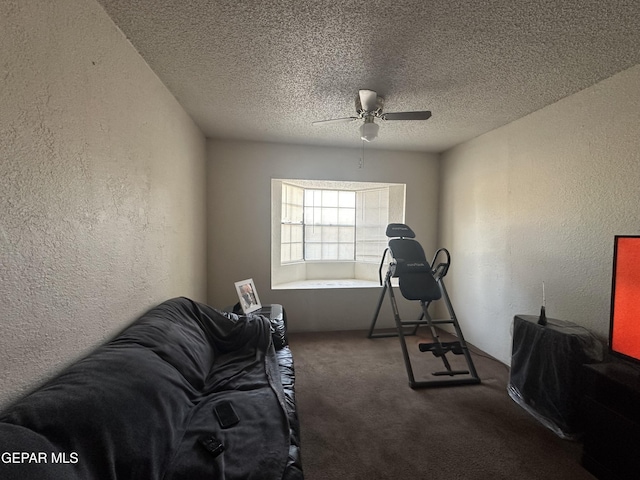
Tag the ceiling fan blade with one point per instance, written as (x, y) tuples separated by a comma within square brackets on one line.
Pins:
[(334, 120), (368, 100), (425, 115)]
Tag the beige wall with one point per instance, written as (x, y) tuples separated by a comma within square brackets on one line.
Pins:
[(239, 192), (541, 200), (103, 193)]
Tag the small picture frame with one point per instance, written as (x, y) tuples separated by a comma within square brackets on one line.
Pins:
[(248, 295)]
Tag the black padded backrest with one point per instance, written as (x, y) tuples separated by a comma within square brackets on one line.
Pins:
[(409, 256), (415, 278)]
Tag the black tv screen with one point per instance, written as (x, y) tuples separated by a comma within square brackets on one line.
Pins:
[(624, 330)]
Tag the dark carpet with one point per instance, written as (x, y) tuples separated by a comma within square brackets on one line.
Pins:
[(361, 420)]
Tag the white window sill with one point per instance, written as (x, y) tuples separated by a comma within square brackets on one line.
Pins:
[(317, 284)]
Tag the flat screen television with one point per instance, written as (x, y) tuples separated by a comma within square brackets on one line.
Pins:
[(624, 328)]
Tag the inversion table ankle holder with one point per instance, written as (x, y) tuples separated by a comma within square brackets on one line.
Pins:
[(418, 280)]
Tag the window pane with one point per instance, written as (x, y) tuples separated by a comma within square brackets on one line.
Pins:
[(296, 213), (296, 233), (291, 211), (286, 209), (313, 197), (313, 216), (296, 251), (329, 198), (372, 218), (346, 251), (313, 251), (286, 233), (329, 216), (308, 197), (312, 234), (329, 251), (347, 199), (291, 223), (330, 234), (346, 235), (347, 216), (285, 252), (297, 196)]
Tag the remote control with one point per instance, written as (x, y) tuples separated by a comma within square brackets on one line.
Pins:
[(211, 444)]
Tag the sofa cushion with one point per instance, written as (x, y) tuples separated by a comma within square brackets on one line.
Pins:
[(174, 331)]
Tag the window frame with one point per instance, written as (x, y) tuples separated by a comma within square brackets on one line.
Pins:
[(365, 262)]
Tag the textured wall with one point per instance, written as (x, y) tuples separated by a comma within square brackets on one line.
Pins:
[(541, 200), (239, 210), (102, 174)]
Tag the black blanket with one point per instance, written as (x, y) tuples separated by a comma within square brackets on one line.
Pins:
[(136, 407)]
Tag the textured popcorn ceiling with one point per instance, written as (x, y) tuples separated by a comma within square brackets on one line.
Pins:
[(264, 70)]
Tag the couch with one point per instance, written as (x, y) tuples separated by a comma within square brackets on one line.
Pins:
[(145, 404)]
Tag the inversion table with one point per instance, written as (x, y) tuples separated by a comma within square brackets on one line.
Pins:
[(423, 282)]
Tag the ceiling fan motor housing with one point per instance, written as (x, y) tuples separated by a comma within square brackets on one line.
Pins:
[(368, 103)]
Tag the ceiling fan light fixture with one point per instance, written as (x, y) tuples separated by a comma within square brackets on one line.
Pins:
[(369, 130)]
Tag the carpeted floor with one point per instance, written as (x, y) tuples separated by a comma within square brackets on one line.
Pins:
[(361, 420)]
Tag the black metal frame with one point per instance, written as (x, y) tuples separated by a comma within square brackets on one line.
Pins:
[(437, 347)]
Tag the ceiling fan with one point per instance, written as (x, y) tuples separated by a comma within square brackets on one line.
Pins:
[(369, 107)]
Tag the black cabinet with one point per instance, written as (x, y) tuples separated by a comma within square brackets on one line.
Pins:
[(546, 365), (611, 407)]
